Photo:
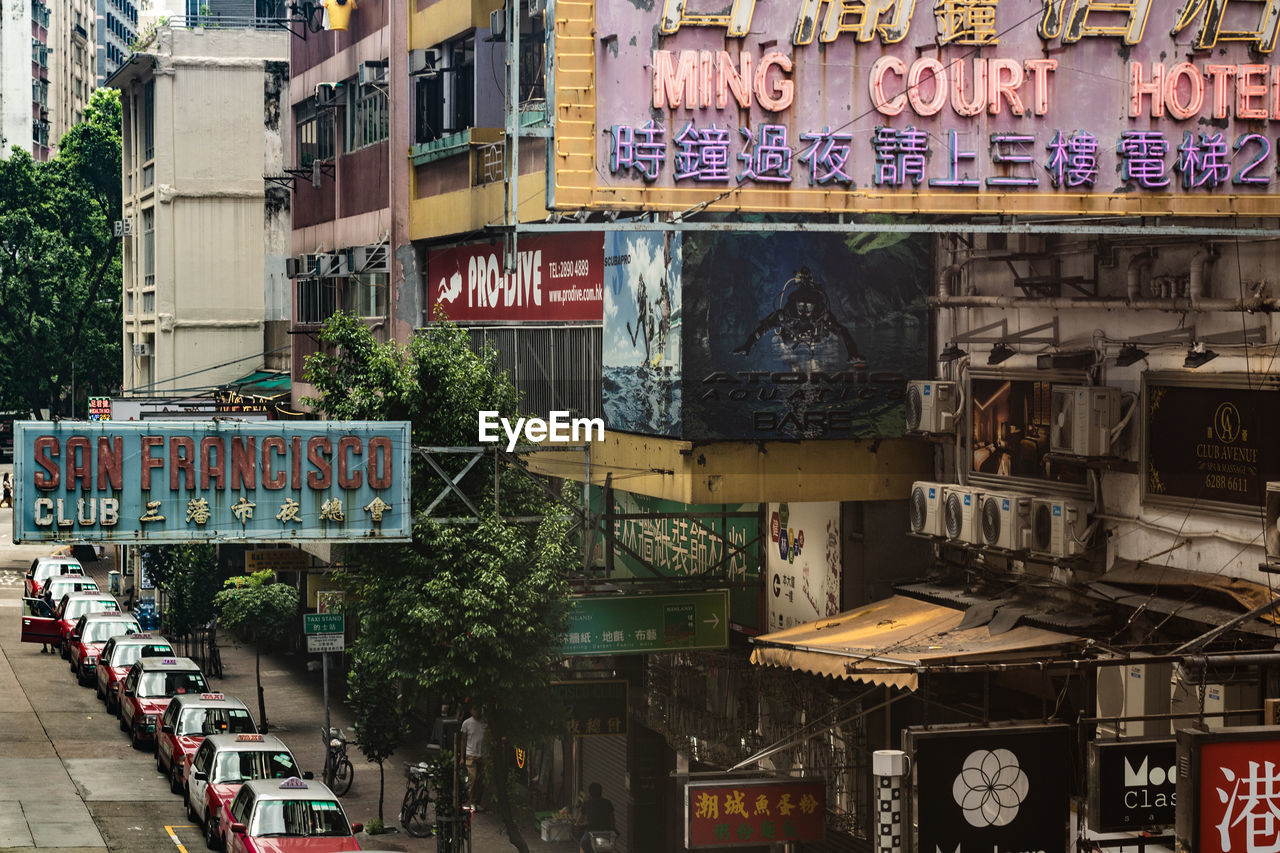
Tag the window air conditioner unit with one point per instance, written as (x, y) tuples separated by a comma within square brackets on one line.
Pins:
[(1058, 526), (367, 259), (1081, 419), (331, 264), (373, 71), (537, 7), (142, 350), (498, 22), (327, 94), (960, 514), (424, 61), (1006, 520), (926, 509), (304, 266), (931, 406)]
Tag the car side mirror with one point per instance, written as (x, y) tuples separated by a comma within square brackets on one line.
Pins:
[(75, 637), (357, 827), (238, 828), (307, 774), (200, 776), (167, 729), (128, 692)]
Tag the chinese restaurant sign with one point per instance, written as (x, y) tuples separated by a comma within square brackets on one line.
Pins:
[(623, 624), (558, 278), (754, 812), (1132, 784), (993, 789), (595, 707), (1228, 799), (1210, 444), (180, 481), (950, 106)]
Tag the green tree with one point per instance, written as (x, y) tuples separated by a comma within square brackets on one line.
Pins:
[(262, 611), (189, 574), (60, 312), (380, 721), (486, 604)]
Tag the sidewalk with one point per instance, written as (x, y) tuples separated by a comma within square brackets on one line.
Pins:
[(295, 712)]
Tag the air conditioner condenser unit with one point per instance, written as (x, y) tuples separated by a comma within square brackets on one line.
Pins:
[(1058, 526), (926, 509), (931, 405), (1006, 520), (1081, 419), (960, 512)]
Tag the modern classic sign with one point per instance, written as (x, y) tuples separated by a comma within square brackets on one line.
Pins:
[(950, 106), (992, 790), (178, 481), (1132, 784)]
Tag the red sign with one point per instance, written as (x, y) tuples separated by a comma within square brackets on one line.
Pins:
[(754, 812), (1239, 796), (558, 278)]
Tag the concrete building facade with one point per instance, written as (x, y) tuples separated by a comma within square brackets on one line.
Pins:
[(72, 62), (117, 27), (24, 78), (205, 299)]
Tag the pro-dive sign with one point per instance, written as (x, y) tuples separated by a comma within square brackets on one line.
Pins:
[(993, 790), (115, 481)]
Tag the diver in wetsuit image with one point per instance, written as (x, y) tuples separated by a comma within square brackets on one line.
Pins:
[(804, 320)]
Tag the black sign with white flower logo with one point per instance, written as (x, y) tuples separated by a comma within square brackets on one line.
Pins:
[(1003, 790)]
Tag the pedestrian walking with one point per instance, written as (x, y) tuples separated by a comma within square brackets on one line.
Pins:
[(474, 733), (6, 490), (596, 816)]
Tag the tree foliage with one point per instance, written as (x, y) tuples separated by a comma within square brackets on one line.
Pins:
[(486, 604), (261, 611), (60, 312), (189, 574), (380, 721)]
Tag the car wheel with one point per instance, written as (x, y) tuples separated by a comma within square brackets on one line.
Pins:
[(65, 650), (211, 839), (134, 739), (191, 807), (159, 763), (120, 717), (175, 779), (97, 689)]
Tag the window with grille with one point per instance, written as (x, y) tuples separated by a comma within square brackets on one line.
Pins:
[(317, 301), (445, 102), (148, 302), (366, 295), (315, 133), (149, 247), (149, 120), (368, 122)]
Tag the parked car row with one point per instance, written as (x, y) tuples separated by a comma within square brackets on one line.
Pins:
[(243, 788)]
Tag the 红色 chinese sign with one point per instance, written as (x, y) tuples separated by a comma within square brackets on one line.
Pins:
[(557, 279), (1228, 798), (180, 481), (948, 106), (993, 788), (1209, 444), (746, 812), (625, 624), (595, 706)]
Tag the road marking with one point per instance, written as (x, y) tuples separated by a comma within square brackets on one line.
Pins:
[(173, 835)]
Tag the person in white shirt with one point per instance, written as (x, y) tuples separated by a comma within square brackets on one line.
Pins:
[(473, 749)]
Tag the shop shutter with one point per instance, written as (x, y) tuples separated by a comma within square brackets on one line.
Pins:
[(604, 760)]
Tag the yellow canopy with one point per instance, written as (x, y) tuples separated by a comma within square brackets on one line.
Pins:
[(893, 634)]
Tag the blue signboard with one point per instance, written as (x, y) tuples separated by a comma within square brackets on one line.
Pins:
[(181, 481)]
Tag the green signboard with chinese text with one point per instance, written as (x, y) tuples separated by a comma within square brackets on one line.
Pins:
[(323, 623), (630, 624)]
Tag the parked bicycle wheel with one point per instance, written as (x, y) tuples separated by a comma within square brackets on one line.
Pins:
[(342, 776), (413, 814)]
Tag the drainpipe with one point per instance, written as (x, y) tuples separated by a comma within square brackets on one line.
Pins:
[(1137, 265), (946, 276), (1197, 285)]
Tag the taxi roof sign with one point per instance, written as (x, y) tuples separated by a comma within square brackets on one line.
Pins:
[(215, 696), (293, 783), (249, 738), (169, 661)]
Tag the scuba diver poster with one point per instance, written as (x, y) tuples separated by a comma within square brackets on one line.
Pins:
[(802, 335), (642, 347)]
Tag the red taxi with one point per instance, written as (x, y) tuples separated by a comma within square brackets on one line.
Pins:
[(119, 653), (146, 690), (43, 568), (187, 721), (88, 636), (77, 604), (223, 763), (273, 816), (56, 587)]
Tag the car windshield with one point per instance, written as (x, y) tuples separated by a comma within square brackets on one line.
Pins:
[(48, 570), (254, 764), (100, 632), (59, 587), (77, 607), (298, 817), (215, 721), (127, 655), (167, 683)]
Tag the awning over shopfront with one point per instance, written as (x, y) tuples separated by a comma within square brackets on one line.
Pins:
[(875, 643)]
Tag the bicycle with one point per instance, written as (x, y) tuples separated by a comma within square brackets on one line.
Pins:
[(338, 772), (417, 799)]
